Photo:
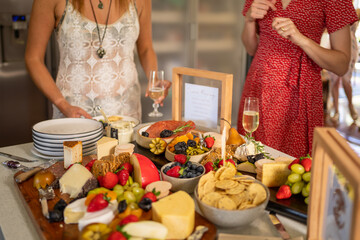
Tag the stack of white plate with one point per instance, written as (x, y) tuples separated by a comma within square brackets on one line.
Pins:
[(48, 136)]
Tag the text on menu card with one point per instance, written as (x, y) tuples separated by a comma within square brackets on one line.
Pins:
[(201, 105)]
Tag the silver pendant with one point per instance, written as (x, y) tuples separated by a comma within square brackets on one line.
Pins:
[(100, 5), (101, 52)]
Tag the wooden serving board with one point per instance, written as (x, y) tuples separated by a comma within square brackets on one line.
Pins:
[(59, 230)]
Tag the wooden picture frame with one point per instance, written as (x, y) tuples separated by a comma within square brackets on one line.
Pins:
[(226, 91), (331, 211)]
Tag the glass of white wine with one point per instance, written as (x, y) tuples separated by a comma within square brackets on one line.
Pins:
[(156, 90), (250, 120)]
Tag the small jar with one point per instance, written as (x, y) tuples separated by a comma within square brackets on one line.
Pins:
[(122, 130)]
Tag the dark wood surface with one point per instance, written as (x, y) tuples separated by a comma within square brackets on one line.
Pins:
[(46, 230)]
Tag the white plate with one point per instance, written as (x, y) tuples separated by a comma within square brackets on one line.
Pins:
[(57, 149), (65, 137), (123, 118), (87, 139), (64, 127), (44, 156)]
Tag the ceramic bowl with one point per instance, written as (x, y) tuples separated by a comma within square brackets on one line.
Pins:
[(185, 184), (145, 141), (194, 158), (232, 218)]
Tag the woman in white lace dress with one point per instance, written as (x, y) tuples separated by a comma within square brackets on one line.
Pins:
[(97, 39)]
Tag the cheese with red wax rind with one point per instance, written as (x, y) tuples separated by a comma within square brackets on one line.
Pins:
[(145, 171)]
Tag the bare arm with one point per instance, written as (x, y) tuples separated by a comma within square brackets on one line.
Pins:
[(144, 44), (258, 10), (42, 23), (335, 59)]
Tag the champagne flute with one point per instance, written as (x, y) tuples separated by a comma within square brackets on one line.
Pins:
[(156, 90), (250, 120)]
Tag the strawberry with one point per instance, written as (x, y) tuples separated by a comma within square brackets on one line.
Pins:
[(127, 166), (209, 141), (209, 166), (123, 177), (72, 165), (100, 178), (306, 163), (128, 219), (116, 236), (293, 162), (90, 164), (181, 158), (109, 180), (284, 192), (221, 163), (174, 172), (151, 195), (99, 202)]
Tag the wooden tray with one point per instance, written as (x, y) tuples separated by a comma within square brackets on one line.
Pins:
[(46, 230), (294, 208)]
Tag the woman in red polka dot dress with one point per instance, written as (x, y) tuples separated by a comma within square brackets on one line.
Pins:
[(284, 36)]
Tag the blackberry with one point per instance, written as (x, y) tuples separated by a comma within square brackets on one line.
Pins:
[(166, 169), (166, 133), (199, 169), (145, 204), (191, 143), (180, 148), (253, 158), (145, 134)]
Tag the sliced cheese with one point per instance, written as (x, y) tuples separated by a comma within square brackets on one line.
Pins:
[(146, 229), (74, 211), (74, 179), (177, 213), (105, 146), (105, 216), (72, 152)]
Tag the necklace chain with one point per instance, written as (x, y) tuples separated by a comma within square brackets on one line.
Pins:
[(101, 51)]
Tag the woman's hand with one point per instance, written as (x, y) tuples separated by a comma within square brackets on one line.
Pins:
[(287, 29), (258, 9), (167, 85), (72, 111)]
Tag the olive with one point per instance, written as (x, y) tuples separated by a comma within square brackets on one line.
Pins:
[(122, 206), (145, 204)]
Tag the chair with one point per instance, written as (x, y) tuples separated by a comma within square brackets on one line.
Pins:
[(226, 91)]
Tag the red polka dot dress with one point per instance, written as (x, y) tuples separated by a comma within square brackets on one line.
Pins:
[(286, 81)]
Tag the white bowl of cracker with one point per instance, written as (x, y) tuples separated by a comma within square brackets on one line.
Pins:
[(231, 201)]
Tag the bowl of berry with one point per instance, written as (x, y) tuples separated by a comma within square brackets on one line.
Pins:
[(192, 144), (182, 174)]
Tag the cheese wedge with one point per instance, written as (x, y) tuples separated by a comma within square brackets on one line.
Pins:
[(177, 213), (105, 216), (105, 146), (74, 211), (74, 179), (273, 173), (72, 152)]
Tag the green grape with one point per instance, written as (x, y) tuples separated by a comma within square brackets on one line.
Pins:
[(135, 184), (118, 189), (129, 197), (297, 187), (294, 177), (308, 187), (304, 192), (297, 168), (306, 200), (133, 206), (120, 197), (306, 176), (138, 192), (288, 183)]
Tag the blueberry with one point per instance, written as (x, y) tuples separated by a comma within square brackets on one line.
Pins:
[(173, 165), (198, 173), (182, 176), (188, 164), (177, 164), (200, 169), (166, 169), (189, 175)]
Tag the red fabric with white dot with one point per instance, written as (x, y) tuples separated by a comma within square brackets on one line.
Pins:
[(286, 81)]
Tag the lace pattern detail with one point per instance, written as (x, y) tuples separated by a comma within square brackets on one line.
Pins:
[(84, 79)]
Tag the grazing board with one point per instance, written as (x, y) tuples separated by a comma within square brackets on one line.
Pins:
[(294, 207), (59, 230)]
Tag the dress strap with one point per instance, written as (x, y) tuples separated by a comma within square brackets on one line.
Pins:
[(136, 8), (62, 17)]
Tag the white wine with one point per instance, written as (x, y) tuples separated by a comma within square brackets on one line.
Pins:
[(250, 121), (156, 92)]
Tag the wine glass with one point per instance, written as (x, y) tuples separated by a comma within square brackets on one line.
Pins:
[(250, 120), (156, 90)]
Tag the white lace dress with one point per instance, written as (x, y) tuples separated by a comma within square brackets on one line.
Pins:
[(86, 80)]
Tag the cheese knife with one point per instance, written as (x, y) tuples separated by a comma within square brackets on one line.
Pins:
[(31, 171), (17, 158), (278, 225), (44, 195)]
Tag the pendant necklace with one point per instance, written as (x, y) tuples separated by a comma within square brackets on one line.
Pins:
[(101, 51), (100, 5)]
